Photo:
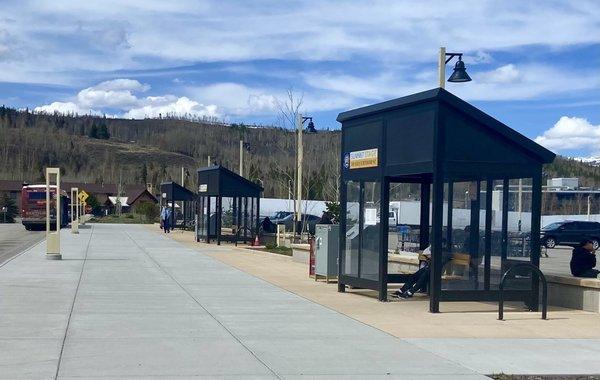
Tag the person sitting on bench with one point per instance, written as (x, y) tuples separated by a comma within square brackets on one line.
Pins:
[(418, 281), (583, 261)]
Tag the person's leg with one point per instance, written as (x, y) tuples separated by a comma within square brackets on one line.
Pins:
[(412, 280), (590, 273), (422, 281)]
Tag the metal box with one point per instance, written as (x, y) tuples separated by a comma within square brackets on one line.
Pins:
[(327, 244)]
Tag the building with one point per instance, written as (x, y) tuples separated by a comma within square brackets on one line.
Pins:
[(136, 194)]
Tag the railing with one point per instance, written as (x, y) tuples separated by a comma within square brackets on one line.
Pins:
[(544, 293)]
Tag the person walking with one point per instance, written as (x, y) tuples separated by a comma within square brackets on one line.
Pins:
[(164, 219)]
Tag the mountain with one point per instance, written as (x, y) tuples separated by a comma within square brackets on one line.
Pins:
[(98, 149), (592, 160)]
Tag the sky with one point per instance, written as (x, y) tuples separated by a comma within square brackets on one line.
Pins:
[(535, 65)]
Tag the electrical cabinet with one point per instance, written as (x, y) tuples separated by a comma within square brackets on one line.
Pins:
[(327, 244)]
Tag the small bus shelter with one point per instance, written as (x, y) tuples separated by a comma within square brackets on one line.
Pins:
[(172, 193), (464, 164), (228, 206)]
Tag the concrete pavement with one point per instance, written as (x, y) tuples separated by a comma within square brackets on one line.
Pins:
[(14, 239), (127, 302)]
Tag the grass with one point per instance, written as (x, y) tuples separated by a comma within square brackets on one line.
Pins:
[(281, 250), (123, 218)]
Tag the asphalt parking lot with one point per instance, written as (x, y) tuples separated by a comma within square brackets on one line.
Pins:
[(15, 239)]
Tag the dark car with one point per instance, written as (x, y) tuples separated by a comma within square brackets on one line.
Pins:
[(310, 220), (570, 233)]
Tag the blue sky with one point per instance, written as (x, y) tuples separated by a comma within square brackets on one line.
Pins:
[(535, 65)]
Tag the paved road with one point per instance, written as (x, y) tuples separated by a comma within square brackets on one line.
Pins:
[(126, 302), (14, 238)]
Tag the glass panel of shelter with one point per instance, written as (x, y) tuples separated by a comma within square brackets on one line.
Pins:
[(352, 238), (485, 234)]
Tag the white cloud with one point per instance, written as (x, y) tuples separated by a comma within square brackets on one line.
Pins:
[(65, 108), (571, 133), (120, 94), (171, 105), (117, 93), (64, 36), (237, 99), (503, 74)]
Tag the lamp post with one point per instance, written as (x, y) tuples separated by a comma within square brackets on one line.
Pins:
[(459, 74), (310, 129)]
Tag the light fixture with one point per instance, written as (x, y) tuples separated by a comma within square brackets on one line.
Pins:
[(460, 72)]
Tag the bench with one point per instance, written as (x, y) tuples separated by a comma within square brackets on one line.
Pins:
[(574, 292), (455, 269)]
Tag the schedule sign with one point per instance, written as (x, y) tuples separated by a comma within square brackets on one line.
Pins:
[(364, 159)]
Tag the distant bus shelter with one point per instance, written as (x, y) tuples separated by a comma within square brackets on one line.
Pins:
[(228, 206), (180, 200), (459, 163)]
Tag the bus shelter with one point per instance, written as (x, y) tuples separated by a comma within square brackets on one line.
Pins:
[(181, 202), (461, 167), (228, 206)]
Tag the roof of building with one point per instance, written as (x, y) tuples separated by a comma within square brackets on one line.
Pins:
[(220, 181), (441, 95)]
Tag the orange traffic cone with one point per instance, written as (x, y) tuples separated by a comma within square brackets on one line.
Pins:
[(256, 241)]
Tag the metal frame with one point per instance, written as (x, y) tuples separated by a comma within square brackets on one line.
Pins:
[(535, 271)]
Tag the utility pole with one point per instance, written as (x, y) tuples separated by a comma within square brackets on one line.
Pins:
[(520, 202), (208, 164), (299, 172), (182, 177), (241, 158), (442, 67)]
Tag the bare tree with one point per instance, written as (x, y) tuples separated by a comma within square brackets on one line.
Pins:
[(289, 109)]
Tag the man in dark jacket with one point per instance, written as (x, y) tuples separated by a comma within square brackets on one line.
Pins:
[(583, 261)]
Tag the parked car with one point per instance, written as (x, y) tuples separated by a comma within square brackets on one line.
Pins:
[(279, 216), (570, 233), (310, 220)]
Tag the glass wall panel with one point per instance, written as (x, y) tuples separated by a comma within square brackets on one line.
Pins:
[(369, 254), (519, 219), (463, 264), (351, 245), (404, 217)]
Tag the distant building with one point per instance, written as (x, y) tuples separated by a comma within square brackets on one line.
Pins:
[(562, 184), (136, 194)]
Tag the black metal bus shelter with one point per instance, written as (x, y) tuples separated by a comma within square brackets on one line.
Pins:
[(171, 192), (466, 166), (228, 206)]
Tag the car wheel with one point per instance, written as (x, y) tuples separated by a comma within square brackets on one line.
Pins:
[(550, 243), (595, 243)]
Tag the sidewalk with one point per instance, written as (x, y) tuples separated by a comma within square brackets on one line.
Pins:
[(127, 302), (466, 333)]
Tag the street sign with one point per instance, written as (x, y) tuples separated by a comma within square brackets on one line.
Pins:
[(83, 196)]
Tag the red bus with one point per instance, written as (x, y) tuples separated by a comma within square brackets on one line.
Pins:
[(33, 207)]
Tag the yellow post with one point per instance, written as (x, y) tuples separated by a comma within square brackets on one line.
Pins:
[(53, 238), (74, 210), (442, 67)]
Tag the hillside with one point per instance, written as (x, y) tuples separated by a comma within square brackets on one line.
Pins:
[(154, 150)]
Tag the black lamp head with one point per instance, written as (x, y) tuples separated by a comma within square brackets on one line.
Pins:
[(460, 73), (310, 128)]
